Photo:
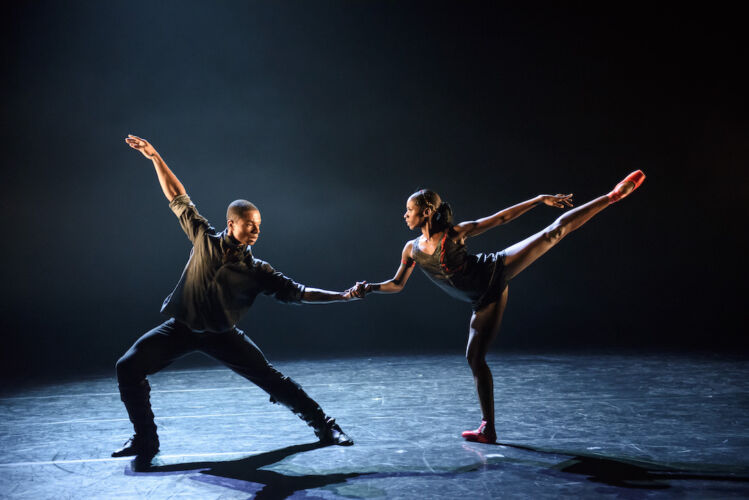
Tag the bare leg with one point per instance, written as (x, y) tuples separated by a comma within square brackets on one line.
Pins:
[(483, 330), (523, 254)]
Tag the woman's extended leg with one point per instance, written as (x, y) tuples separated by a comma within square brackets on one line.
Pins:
[(483, 330), (522, 254)]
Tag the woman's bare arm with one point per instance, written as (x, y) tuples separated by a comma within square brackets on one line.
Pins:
[(476, 227), (393, 285)]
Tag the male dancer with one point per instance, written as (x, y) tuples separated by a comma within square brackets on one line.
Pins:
[(218, 286)]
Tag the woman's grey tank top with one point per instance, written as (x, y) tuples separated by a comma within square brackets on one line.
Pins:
[(461, 275)]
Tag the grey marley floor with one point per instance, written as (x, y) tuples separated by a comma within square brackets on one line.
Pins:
[(591, 426)]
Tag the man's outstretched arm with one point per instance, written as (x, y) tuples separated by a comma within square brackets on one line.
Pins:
[(318, 296), (284, 289), (169, 183)]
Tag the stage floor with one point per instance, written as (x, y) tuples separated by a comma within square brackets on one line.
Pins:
[(595, 426)]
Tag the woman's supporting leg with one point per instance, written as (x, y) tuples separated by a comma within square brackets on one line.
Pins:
[(523, 254), (483, 330)]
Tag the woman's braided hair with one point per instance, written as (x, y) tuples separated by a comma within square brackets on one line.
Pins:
[(442, 213)]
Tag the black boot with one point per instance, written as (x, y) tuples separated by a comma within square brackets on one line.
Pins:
[(145, 441), (139, 445), (330, 433)]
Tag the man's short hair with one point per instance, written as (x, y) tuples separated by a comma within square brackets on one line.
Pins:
[(238, 208)]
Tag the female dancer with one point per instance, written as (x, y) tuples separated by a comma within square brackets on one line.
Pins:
[(482, 279)]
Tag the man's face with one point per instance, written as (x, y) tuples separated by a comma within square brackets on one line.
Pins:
[(245, 229)]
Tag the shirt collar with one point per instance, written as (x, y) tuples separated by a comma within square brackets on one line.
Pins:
[(230, 243)]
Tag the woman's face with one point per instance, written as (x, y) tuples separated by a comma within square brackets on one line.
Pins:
[(414, 215)]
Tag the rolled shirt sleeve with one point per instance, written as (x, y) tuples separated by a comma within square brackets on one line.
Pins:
[(193, 224), (281, 287)]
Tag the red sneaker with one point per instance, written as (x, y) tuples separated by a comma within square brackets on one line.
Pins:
[(481, 435), (636, 178)]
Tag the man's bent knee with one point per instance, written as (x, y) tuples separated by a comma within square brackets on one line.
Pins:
[(127, 371)]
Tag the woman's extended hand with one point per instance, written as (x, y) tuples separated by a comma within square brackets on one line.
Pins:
[(141, 145), (557, 200)]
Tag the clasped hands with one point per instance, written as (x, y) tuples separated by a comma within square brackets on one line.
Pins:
[(358, 291)]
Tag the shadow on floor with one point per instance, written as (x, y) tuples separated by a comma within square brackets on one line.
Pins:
[(246, 475), (630, 473)]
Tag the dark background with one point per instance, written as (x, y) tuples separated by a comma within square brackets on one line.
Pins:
[(328, 115)]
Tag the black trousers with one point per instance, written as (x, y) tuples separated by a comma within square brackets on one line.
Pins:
[(161, 346)]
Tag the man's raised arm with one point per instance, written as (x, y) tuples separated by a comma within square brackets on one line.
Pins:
[(169, 183)]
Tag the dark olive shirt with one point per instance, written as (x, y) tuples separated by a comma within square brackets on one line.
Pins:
[(221, 278)]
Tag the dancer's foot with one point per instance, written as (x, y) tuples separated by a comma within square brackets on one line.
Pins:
[(330, 433), (481, 435), (629, 184), (139, 445)]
